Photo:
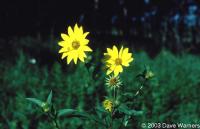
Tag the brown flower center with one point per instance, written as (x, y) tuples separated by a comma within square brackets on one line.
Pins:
[(118, 61), (113, 81), (75, 44)]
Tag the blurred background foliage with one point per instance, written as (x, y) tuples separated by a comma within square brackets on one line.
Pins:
[(162, 34), (172, 95)]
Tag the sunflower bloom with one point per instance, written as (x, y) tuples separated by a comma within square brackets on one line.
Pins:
[(74, 45), (108, 105), (115, 60)]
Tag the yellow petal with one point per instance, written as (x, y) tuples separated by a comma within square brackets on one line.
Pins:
[(75, 59), (119, 68), (120, 52), (81, 53), (74, 55), (70, 31), (81, 30), (115, 52), (86, 48), (110, 51), (131, 59), (110, 61), (64, 55), (62, 43), (125, 63), (116, 72), (125, 52), (112, 67), (126, 55), (64, 36), (81, 58), (84, 42), (108, 71), (69, 59), (64, 49), (76, 29), (85, 34)]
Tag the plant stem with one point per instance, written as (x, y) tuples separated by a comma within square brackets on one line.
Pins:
[(54, 120), (112, 113), (56, 124), (141, 87), (114, 95), (121, 123)]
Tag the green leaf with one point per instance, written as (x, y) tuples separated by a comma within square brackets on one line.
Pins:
[(136, 113), (100, 109), (127, 111), (49, 99), (79, 115), (92, 117), (125, 123), (126, 120), (66, 112), (35, 101), (101, 112)]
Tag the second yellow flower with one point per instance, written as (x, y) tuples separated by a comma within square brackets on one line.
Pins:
[(74, 45)]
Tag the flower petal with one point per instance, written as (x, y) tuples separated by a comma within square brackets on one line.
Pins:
[(64, 55), (64, 36), (81, 55), (85, 34), (81, 30), (84, 42), (69, 59), (120, 52), (86, 48), (115, 52), (62, 43), (76, 29), (116, 72), (108, 71), (64, 49), (70, 31), (119, 68)]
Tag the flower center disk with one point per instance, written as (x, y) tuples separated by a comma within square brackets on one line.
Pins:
[(75, 44), (118, 61), (113, 81)]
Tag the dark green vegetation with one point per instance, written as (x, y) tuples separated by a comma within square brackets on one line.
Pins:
[(172, 96)]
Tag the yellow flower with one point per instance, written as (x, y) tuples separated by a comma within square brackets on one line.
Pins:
[(116, 59), (108, 105), (74, 45)]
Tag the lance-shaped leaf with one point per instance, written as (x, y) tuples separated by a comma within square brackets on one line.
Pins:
[(49, 98), (63, 112), (35, 101), (101, 112), (127, 111)]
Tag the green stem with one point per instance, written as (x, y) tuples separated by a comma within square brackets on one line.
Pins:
[(54, 120), (141, 87), (114, 95), (111, 126), (121, 123), (56, 124), (112, 113)]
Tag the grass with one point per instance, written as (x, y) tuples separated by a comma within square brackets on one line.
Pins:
[(171, 97)]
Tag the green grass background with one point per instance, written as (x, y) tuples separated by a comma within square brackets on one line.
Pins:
[(172, 96)]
